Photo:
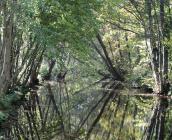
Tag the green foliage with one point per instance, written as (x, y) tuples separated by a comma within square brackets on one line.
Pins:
[(43, 71), (71, 22), (3, 117), (8, 104)]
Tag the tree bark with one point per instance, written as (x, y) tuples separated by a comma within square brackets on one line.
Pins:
[(5, 75), (51, 66)]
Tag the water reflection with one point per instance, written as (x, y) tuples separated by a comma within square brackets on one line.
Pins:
[(52, 113)]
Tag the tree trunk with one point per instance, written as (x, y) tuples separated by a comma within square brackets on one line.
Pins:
[(7, 42), (51, 66)]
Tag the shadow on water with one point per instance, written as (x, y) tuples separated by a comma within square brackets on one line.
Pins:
[(52, 113)]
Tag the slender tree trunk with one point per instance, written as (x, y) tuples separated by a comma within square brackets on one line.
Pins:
[(112, 69), (153, 50), (35, 70), (5, 75), (51, 66)]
